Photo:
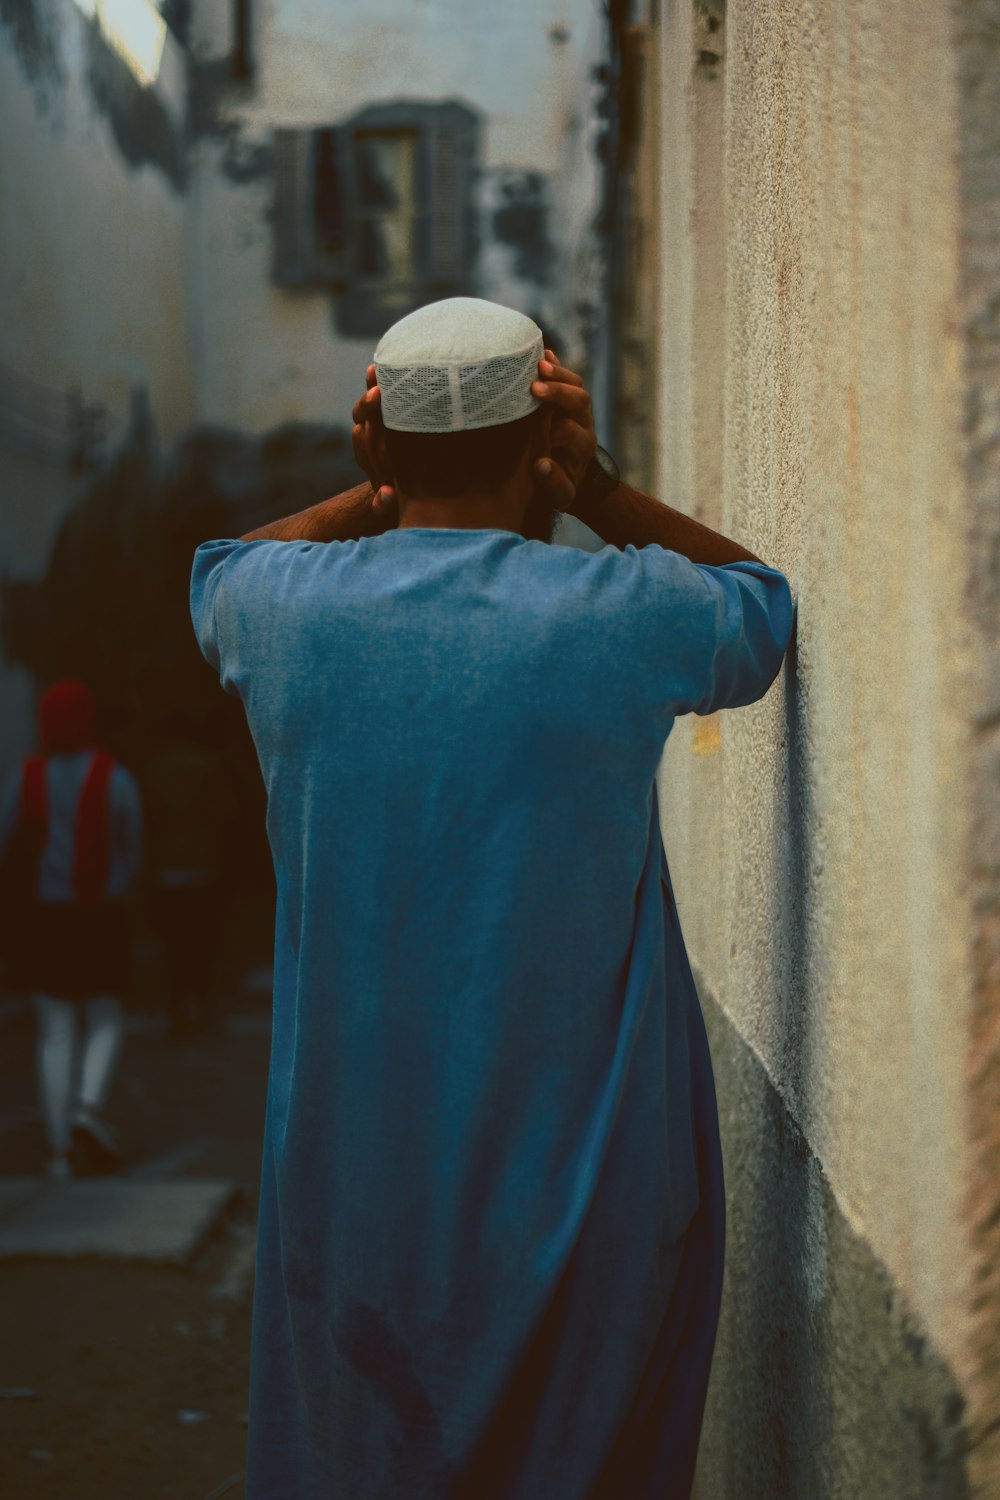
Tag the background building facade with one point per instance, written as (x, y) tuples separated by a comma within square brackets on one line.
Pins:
[(212, 211)]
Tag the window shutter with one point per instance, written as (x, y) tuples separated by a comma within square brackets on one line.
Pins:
[(450, 153), (294, 227), (348, 197), (330, 190), (311, 208), (447, 252)]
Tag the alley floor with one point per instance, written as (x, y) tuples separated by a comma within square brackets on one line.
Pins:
[(122, 1378)]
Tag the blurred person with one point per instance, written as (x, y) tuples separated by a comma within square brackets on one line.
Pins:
[(492, 1216), (83, 816), (190, 815)]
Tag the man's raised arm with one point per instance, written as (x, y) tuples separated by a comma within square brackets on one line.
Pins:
[(344, 518), (625, 516), (361, 511)]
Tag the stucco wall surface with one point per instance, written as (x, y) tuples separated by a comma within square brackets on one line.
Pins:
[(267, 355), (818, 839)]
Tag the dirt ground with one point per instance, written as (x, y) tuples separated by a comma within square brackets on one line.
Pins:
[(138, 1372)]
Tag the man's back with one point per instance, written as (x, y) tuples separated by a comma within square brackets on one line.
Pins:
[(480, 1097)]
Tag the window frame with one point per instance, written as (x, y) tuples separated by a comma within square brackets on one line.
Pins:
[(315, 165)]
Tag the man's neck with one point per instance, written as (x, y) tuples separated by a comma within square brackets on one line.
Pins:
[(473, 513)]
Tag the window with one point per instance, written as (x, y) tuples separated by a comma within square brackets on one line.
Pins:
[(386, 175), (379, 209)]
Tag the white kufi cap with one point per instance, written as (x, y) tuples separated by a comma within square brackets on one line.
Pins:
[(458, 364)]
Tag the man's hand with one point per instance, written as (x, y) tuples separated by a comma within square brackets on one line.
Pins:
[(573, 437), (574, 440), (367, 414)]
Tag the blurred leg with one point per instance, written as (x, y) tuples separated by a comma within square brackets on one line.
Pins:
[(102, 1044), (55, 1060)]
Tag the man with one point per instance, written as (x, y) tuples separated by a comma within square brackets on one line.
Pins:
[(72, 820), (491, 1225)]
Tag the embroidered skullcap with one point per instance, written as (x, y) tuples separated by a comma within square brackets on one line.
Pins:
[(458, 364)]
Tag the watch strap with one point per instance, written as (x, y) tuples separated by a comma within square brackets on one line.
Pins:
[(600, 477)]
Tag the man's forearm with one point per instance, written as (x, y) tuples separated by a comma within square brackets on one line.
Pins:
[(627, 517), (344, 518)]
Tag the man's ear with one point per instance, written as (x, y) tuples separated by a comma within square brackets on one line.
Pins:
[(541, 444), (379, 450)]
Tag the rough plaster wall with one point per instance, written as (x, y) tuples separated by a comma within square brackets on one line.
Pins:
[(818, 836), (267, 355), (977, 40)]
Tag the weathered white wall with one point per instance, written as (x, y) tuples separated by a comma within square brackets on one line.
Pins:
[(92, 287), (267, 355), (814, 381)]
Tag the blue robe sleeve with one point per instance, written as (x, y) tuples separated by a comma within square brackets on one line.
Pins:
[(206, 583), (712, 637), (234, 586)]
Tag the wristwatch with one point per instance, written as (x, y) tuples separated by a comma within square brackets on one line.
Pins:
[(600, 477)]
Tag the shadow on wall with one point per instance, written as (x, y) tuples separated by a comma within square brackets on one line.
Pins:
[(113, 606), (522, 221), (798, 866), (784, 1216), (824, 1385)]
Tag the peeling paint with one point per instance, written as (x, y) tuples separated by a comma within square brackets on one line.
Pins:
[(241, 160), (522, 221), (207, 82), (245, 161), (34, 34)]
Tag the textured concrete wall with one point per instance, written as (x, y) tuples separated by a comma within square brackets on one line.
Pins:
[(267, 355), (92, 293), (829, 349)]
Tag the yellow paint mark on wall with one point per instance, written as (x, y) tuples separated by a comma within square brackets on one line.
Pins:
[(706, 736)]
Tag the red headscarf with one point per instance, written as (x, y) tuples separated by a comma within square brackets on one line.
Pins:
[(68, 718)]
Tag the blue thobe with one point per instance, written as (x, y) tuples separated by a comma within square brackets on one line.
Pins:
[(490, 1232)]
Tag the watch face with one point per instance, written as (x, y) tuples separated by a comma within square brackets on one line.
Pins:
[(607, 464)]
